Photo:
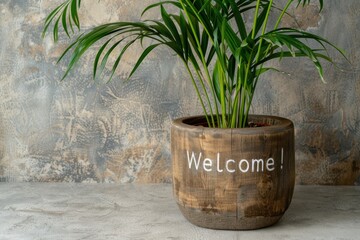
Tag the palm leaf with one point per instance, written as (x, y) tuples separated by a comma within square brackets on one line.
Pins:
[(142, 57), (224, 58), (67, 13)]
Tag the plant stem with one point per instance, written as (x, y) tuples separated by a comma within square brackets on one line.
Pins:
[(255, 18), (264, 29), (282, 13), (197, 92), (202, 57)]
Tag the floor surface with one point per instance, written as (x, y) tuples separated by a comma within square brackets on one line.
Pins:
[(105, 211)]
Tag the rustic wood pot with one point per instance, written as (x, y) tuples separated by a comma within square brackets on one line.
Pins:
[(233, 178)]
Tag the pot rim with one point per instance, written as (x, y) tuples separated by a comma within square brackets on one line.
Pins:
[(279, 124)]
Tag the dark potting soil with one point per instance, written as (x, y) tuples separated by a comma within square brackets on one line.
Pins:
[(249, 125)]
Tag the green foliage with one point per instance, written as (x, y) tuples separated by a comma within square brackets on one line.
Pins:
[(66, 14), (223, 56)]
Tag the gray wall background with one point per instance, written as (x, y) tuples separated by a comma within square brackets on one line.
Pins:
[(82, 131)]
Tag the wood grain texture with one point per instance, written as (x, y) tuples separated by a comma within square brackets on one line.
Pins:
[(253, 192)]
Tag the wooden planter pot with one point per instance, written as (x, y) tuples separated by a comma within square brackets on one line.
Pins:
[(233, 178)]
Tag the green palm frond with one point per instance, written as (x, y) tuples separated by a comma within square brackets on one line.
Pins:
[(223, 56), (66, 14)]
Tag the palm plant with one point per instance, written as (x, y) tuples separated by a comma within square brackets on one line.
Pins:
[(223, 56)]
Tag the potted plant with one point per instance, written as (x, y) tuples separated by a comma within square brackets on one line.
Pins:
[(231, 170)]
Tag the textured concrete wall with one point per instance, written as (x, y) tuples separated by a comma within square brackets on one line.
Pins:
[(81, 131)]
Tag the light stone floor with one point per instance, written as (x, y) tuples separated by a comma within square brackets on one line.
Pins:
[(105, 211)]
